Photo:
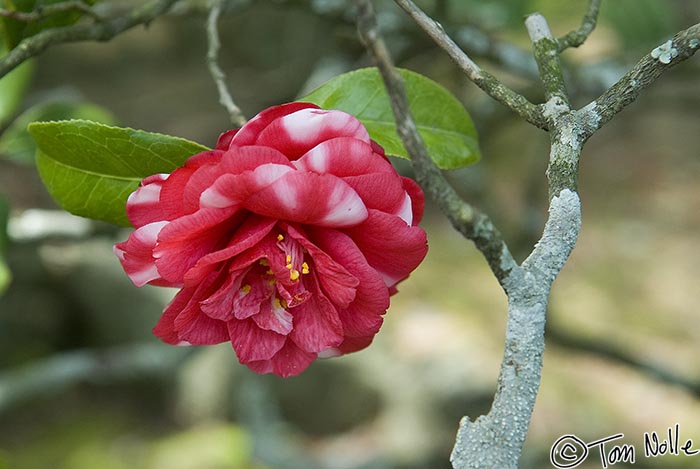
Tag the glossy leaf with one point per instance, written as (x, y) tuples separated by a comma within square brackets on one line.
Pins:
[(17, 145), (90, 169), (443, 123)]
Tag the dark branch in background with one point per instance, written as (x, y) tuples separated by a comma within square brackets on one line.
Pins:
[(579, 36), (101, 31), (615, 354), (48, 376), (466, 219), (484, 80), (683, 46), (43, 11), (225, 99)]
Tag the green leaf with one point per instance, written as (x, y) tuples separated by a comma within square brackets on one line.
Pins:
[(17, 145), (90, 169), (446, 127)]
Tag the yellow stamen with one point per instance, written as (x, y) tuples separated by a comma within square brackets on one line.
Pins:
[(284, 303), (245, 289), (293, 274), (304, 268), (289, 266), (264, 263), (280, 237), (269, 272), (277, 303), (288, 259)]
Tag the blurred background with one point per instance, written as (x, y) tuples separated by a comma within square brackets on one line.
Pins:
[(84, 385)]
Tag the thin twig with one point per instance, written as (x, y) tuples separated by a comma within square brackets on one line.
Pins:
[(466, 219), (234, 112), (484, 80), (628, 88), (579, 36), (102, 31), (43, 11)]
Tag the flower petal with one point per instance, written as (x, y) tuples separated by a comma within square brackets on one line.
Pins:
[(165, 328), (289, 361), (337, 283), (248, 134), (362, 317), (316, 199), (317, 326), (225, 138), (356, 162), (186, 240), (136, 254), (417, 199), (232, 189), (274, 317), (390, 246), (143, 205), (252, 343), (353, 344), (247, 235), (296, 133), (173, 190)]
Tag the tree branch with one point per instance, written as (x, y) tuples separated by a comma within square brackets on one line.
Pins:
[(614, 354), (579, 36), (548, 63), (669, 54), (50, 375), (235, 114), (484, 80), (102, 31), (468, 220), (43, 11)]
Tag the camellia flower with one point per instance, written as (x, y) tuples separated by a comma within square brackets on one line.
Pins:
[(286, 240)]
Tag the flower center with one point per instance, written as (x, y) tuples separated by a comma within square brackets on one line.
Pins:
[(275, 284)]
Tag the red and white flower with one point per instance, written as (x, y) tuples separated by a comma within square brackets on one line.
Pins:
[(287, 239)]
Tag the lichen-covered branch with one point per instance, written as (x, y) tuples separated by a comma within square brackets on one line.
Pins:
[(225, 99), (577, 37), (100, 31), (669, 54), (495, 440), (548, 63), (484, 80), (468, 220)]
